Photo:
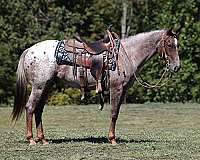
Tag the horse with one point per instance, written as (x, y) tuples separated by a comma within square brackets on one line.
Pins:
[(37, 66)]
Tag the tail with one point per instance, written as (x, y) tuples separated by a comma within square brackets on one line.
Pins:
[(21, 90)]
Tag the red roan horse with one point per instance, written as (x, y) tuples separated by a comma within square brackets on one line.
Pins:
[(38, 67)]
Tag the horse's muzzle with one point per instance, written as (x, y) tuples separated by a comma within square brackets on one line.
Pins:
[(176, 68)]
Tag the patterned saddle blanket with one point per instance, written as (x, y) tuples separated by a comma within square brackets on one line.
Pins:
[(64, 54)]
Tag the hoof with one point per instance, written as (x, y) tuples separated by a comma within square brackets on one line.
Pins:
[(113, 142), (37, 140), (32, 142), (45, 142)]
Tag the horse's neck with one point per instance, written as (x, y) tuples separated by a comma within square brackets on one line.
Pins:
[(141, 47)]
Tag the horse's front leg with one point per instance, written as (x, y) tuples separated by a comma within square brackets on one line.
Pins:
[(117, 95)]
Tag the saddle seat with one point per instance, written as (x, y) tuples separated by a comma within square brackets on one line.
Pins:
[(96, 47)]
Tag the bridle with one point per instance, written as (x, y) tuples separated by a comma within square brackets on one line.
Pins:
[(161, 47)]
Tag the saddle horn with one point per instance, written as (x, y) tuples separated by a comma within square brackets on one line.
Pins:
[(106, 38), (77, 36)]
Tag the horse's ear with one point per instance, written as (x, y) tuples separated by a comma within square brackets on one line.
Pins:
[(170, 32)]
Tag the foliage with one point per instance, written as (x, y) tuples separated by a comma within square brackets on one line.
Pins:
[(23, 23), (185, 85), (7, 79), (70, 96)]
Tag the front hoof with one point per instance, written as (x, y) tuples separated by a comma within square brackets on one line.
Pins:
[(113, 142)]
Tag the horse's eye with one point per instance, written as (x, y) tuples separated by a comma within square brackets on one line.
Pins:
[(169, 45)]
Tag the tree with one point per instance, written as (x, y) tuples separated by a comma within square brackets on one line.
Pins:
[(23, 23)]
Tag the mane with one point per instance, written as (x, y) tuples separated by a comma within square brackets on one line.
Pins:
[(141, 37), (142, 46)]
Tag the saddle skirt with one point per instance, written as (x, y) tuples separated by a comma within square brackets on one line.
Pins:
[(73, 52)]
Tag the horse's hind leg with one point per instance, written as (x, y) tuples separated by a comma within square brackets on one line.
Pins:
[(30, 108), (38, 116)]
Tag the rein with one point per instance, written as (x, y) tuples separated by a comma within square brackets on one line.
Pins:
[(157, 84)]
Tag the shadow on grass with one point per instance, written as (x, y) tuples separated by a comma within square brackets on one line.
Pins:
[(97, 140)]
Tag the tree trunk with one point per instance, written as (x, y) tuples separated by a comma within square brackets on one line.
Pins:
[(123, 21)]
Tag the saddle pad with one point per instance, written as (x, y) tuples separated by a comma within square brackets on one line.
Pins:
[(62, 55), (66, 57)]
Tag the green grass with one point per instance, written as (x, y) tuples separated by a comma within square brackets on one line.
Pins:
[(144, 131)]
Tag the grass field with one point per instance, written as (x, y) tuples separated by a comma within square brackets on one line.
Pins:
[(144, 131)]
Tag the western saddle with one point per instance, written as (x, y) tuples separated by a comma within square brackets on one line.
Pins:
[(97, 47), (81, 48)]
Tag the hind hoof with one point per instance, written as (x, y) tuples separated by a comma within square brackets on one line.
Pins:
[(45, 142), (32, 142)]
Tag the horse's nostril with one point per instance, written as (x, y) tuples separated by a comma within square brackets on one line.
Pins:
[(176, 69)]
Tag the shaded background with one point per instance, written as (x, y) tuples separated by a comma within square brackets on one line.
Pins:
[(24, 23)]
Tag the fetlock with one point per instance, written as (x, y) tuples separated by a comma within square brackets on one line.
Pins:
[(29, 136)]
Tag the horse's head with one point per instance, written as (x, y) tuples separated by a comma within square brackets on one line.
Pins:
[(168, 48)]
